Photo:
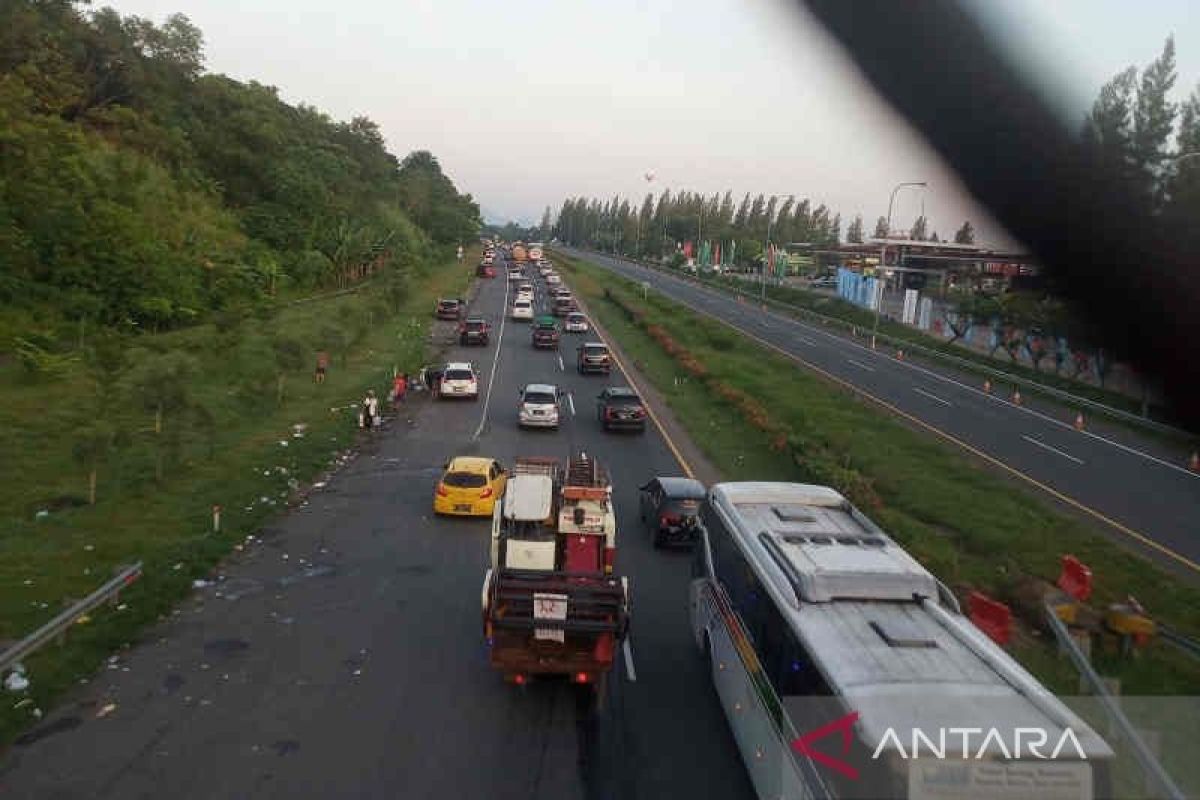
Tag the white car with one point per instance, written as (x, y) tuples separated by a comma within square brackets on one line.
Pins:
[(525, 290), (544, 271), (515, 274), (539, 406), (522, 308), (576, 323), (553, 280), (459, 380)]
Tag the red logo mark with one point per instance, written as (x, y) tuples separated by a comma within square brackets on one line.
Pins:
[(804, 745)]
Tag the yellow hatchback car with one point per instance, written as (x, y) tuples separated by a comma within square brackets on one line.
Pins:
[(470, 486)]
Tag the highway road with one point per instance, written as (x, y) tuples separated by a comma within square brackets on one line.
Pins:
[(1136, 489), (342, 654)]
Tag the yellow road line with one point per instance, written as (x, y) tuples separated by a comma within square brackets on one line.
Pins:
[(1130, 532)]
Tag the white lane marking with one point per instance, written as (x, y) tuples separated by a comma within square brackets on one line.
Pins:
[(629, 670), (808, 342), (810, 328), (487, 399), (571, 403), (932, 397), (1055, 450), (860, 365), (561, 366)]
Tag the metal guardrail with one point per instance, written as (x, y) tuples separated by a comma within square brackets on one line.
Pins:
[(57, 627), (1146, 760), (938, 355)]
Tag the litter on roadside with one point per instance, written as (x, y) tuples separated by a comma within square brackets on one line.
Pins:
[(200, 583), (16, 682), (106, 709)]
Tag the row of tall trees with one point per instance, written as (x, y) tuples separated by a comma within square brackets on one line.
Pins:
[(137, 189), (1139, 132), (658, 225)]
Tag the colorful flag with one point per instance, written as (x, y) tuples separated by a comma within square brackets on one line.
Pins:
[(717, 255), (687, 249)]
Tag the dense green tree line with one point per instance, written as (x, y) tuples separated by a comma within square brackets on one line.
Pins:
[(136, 189), (657, 226), (1136, 130)]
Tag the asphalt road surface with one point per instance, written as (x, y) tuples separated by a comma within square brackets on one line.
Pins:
[(343, 656), (1137, 488)]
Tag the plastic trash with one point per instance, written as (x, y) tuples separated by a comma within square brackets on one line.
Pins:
[(200, 583), (16, 682), (42, 514), (106, 709)]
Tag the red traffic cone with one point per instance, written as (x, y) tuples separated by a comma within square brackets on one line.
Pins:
[(987, 385), (1016, 397), (1079, 421), (1194, 462)]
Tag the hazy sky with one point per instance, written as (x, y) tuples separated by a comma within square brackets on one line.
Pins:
[(525, 102)]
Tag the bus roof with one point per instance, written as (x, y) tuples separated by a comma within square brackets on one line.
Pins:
[(884, 633)]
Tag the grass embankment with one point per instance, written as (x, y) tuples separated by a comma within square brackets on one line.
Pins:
[(837, 308), (242, 454), (756, 415)]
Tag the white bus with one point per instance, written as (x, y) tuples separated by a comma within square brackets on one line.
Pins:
[(846, 669)]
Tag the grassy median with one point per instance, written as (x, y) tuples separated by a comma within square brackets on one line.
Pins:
[(228, 437), (755, 415)]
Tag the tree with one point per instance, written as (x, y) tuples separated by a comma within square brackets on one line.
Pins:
[(881, 228), (93, 446), (1108, 129), (1184, 182), (159, 383), (965, 234), (289, 357), (918, 229), (854, 234), (1154, 121)]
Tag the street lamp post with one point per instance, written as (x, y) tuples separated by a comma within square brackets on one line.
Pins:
[(883, 251)]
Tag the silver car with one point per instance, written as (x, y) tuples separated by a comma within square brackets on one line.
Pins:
[(539, 406)]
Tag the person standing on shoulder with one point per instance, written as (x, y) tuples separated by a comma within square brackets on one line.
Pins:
[(372, 404), (399, 388), (322, 366)]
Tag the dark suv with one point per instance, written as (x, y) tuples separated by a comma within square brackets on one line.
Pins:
[(473, 330), (545, 332), (594, 357), (450, 309), (669, 508), (620, 407)]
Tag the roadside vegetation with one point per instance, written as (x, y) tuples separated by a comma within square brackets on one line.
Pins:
[(176, 248), (221, 414), (756, 414)]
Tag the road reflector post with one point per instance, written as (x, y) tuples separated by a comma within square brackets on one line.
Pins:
[(1079, 421), (899, 355), (1016, 397), (1194, 462), (987, 385), (216, 512)]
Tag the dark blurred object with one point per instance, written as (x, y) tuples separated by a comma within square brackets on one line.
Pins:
[(1133, 276)]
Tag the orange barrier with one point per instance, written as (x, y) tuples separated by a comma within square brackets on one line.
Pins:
[(990, 616), (1075, 578)]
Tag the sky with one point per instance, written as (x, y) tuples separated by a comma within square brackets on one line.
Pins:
[(526, 102)]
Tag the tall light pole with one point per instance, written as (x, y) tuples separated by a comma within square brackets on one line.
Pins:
[(883, 251)]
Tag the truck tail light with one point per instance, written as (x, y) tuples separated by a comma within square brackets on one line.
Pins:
[(519, 679), (610, 555), (668, 519), (581, 677)]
